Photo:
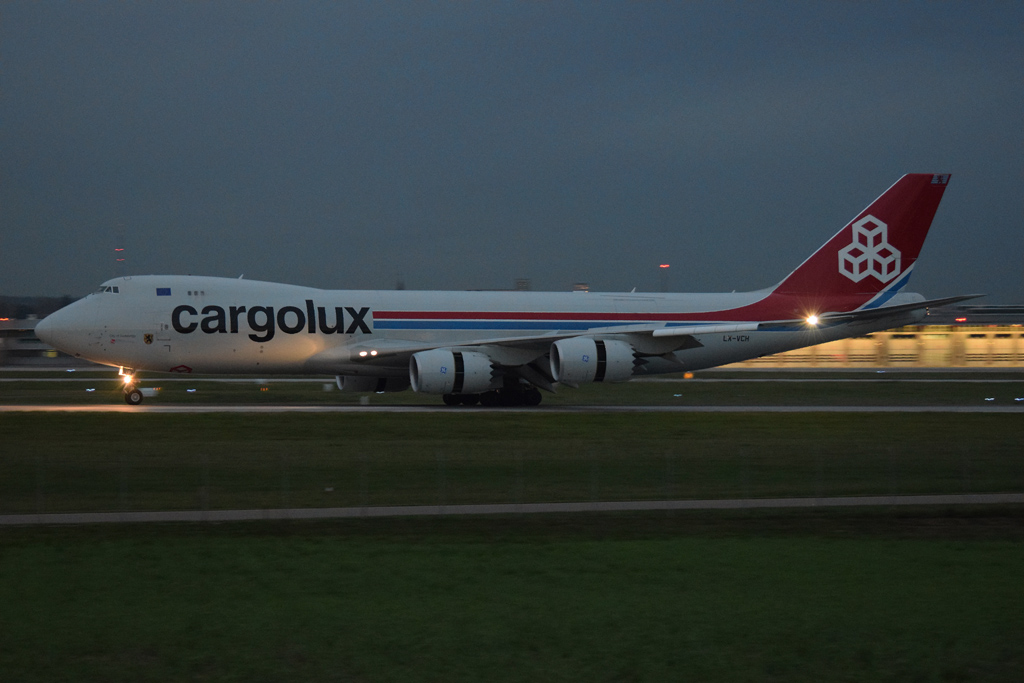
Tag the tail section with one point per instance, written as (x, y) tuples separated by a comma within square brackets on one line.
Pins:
[(870, 260)]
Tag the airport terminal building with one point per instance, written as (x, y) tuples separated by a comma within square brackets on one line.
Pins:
[(954, 337)]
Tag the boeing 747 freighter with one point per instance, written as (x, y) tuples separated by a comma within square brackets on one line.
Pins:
[(502, 348)]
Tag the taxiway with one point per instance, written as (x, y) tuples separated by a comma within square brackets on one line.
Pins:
[(505, 509), (545, 410)]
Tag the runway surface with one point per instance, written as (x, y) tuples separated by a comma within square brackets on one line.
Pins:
[(880, 379), (542, 410), (505, 509)]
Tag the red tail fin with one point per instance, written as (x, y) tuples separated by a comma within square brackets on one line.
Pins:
[(875, 253)]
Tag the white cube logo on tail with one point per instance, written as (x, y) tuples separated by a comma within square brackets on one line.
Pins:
[(870, 252)]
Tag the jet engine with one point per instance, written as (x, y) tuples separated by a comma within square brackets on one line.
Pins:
[(442, 371), (577, 360), (353, 384)]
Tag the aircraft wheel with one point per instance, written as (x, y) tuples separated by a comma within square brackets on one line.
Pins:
[(470, 399), (132, 396), (451, 399), (511, 398), (490, 399), (532, 397)]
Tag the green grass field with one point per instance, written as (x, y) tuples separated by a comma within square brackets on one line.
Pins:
[(921, 596), (97, 462), (927, 594)]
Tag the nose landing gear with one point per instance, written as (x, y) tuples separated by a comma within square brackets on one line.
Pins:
[(132, 394)]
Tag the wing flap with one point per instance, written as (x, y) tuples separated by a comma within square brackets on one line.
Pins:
[(391, 352), (690, 330)]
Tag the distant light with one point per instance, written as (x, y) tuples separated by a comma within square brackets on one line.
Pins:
[(961, 320), (90, 390), (118, 249), (664, 265), (812, 320), (191, 391)]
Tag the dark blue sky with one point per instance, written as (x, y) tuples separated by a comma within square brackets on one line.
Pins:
[(460, 146)]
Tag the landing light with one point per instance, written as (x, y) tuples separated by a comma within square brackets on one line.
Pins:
[(127, 379), (812, 320)]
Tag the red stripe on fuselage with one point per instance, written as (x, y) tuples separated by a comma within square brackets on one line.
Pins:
[(772, 307)]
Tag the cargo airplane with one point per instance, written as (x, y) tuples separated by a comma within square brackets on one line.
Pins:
[(502, 348)]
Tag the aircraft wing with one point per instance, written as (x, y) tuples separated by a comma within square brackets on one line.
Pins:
[(690, 330), (521, 350), (394, 352)]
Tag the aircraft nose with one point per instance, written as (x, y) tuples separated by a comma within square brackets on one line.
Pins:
[(46, 330), (55, 330)]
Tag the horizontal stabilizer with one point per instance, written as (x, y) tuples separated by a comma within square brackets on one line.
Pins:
[(864, 315), (883, 311)]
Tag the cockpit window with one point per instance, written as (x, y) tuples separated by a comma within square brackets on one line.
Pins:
[(108, 290)]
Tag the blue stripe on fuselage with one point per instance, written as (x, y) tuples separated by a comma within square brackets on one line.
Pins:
[(489, 325), (889, 293), (516, 324)]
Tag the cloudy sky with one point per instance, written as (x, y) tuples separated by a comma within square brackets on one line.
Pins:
[(463, 145)]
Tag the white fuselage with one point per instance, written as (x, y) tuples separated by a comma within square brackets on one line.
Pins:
[(221, 325)]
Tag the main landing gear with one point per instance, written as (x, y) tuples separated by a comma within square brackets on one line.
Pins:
[(507, 397), (132, 394)]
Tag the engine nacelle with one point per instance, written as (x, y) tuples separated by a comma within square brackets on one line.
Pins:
[(582, 359), (353, 384), (442, 371)]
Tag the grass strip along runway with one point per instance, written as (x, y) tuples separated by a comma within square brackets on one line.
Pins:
[(111, 462), (641, 597), (869, 595)]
